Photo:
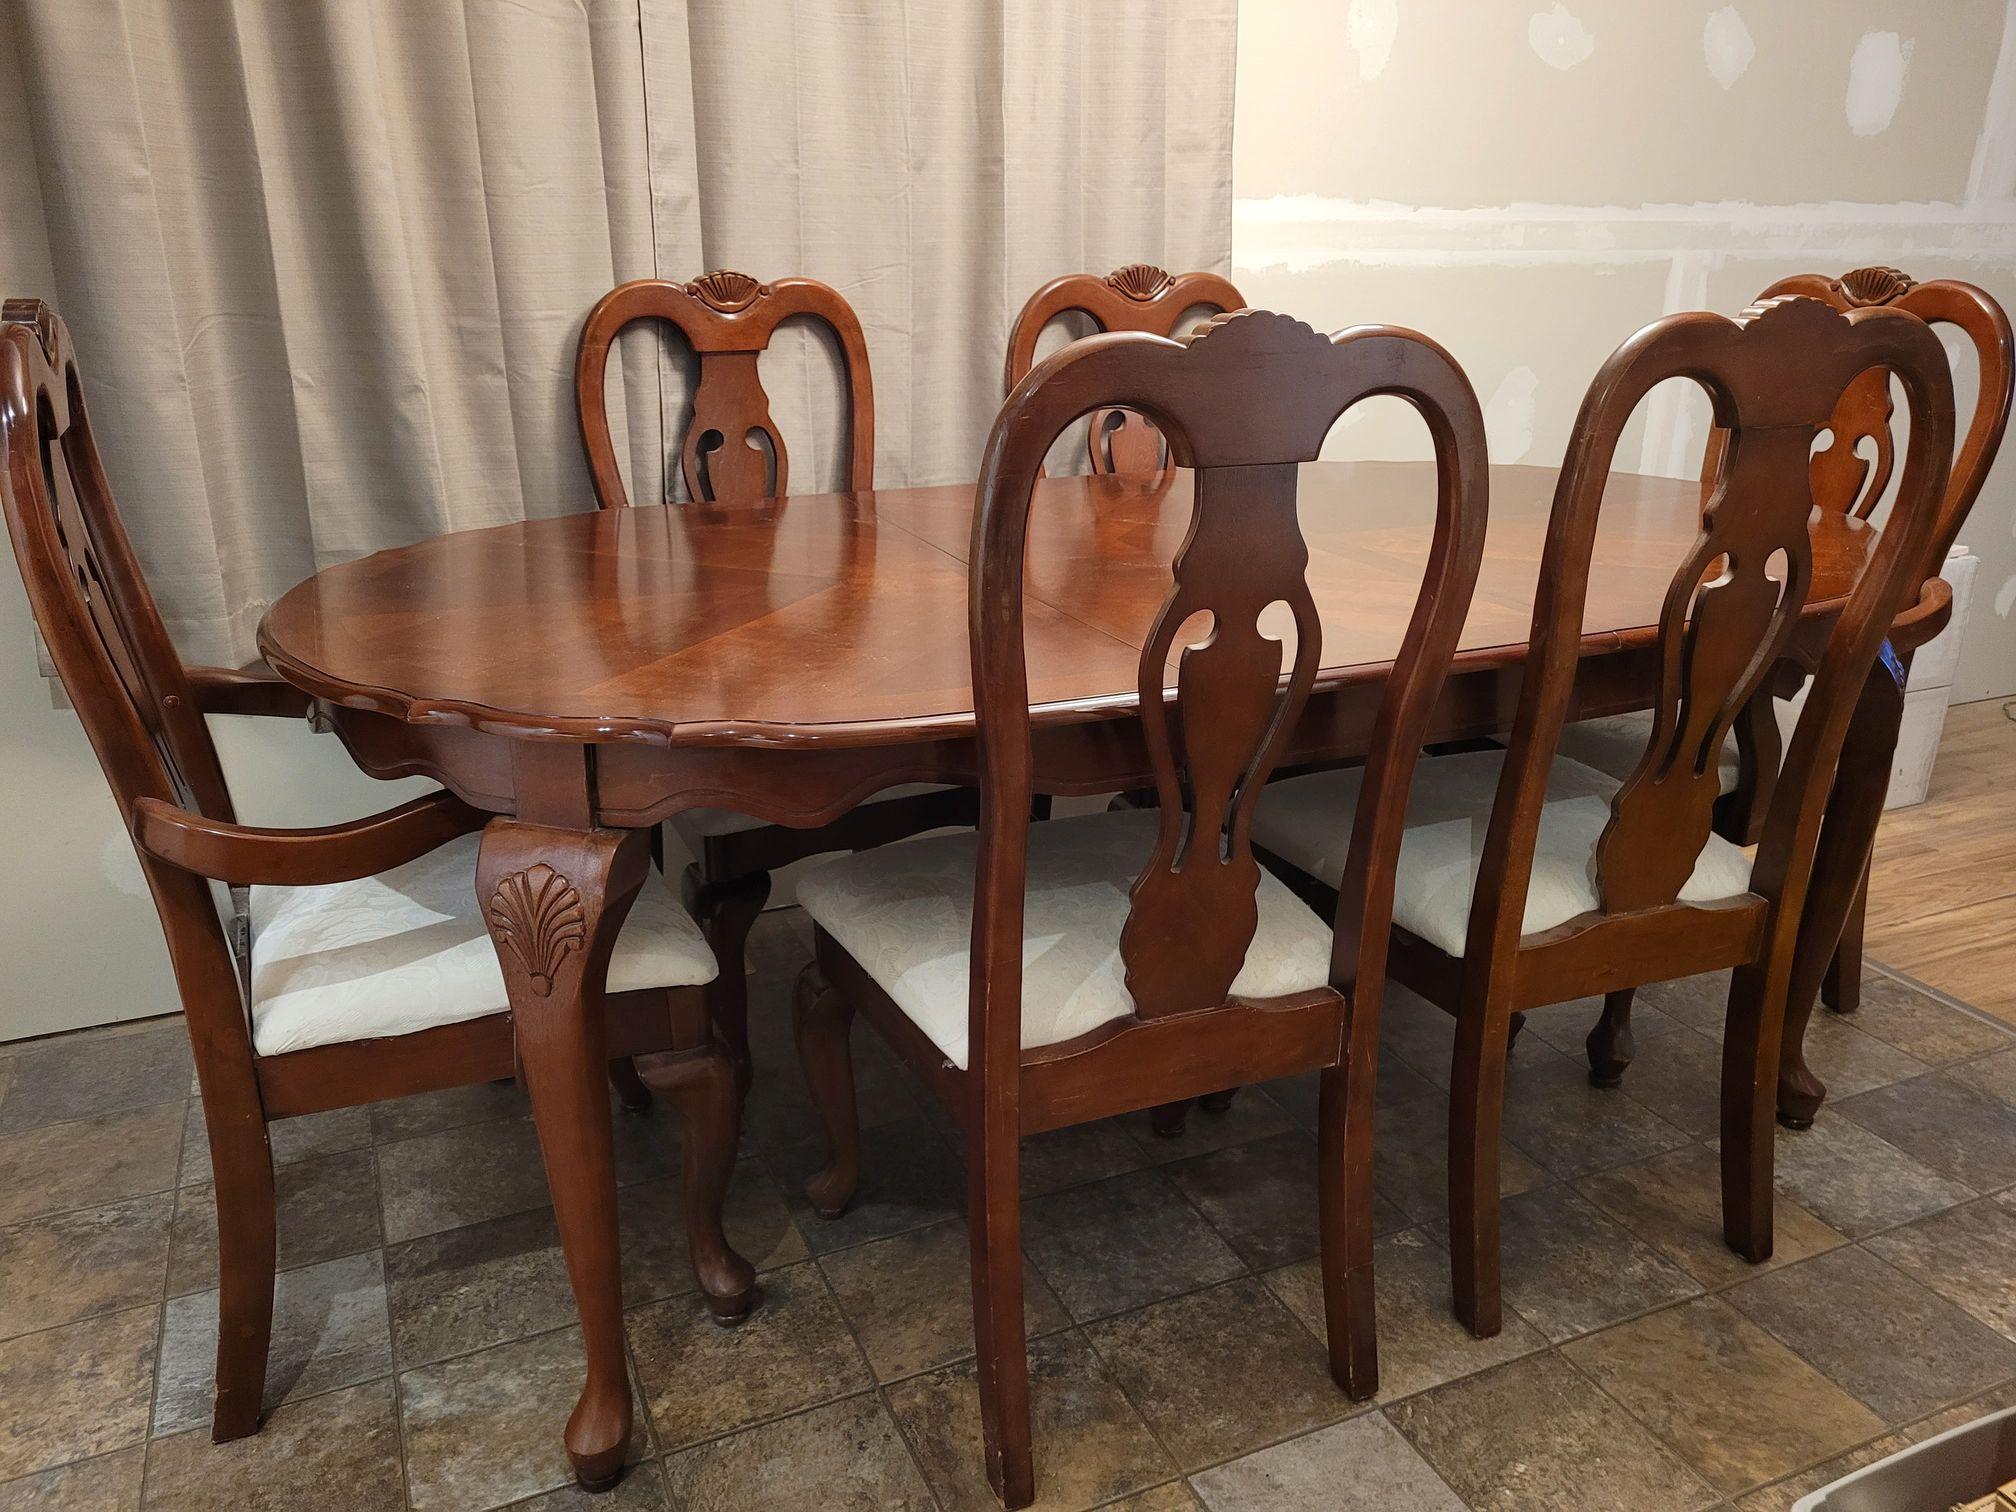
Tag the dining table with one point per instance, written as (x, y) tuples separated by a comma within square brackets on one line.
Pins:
[(584, 677)]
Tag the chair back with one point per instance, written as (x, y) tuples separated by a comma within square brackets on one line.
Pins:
[(1847, 482), (1244, 401), (731, 450), (1138, 297), (1775, 377)]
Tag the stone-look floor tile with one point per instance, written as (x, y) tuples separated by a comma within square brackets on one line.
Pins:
[(471, 1288), (327, 1206), (292, 1139), (1220, 1372), (703, 1380), (450, 1108), (1678, 1075), (1301, 1096), (485, 1429), (329, 1330), (648, 1142), (1420, 1342), (1090, 1445), (642, 1489), (71, 1079), (75, 1265), (1261, 1196), (1966, 1254), (1364, 1465), (1172, 1496), (657, 1261), (1849, 1062), (1735, 1403), (339, 1450), (72, 1392), (1907, 1350), (88, 1164), (1410, 1159), (844, 1457), (1416, 1034), (1571, 1128), (1855, 1182), (1074, 1156), (1566, 1026), (1959, 1132), (1568, 1269), (1122, 1242), (461, 1175), (1699, 1002), (1674, 1202), (1536, 1433), (908, 1178), (1253, 1115), (1922, 1026), (1994, 1074), (110, 1483), (910, 1299)]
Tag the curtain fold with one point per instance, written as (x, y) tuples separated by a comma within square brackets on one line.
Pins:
[(326, 261)]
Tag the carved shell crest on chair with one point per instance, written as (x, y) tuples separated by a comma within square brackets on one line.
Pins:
[(1785, 308), (1261, 327), (726, 290), (1874, 286), (1139, 281), (538, 914)]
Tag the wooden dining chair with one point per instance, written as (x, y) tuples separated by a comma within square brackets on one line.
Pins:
[(732, 452), (1527, 879), (1849, 475), (361, 967), (1138, 297), (1043, 975)]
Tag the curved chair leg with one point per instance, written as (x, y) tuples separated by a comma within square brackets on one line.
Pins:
[(821, 1019), (247, 1257), (1514, 1027), (628, 1085), (1169, 1120), (703, 1086), (1217, 1102), (1610, 1044), (1344, 1165), (1750, 1050), (1476, 1113), (726, 910), (994, 1224), (1841, 989)]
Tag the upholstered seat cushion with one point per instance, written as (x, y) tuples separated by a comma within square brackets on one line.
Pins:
[(1616, 745), (904, 912), (695, 825), (1307, 822), (408, 950)]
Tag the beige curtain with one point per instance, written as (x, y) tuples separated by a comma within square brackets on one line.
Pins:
[(325, 259)]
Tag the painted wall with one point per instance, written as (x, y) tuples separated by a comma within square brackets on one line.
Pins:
[(1529, 182)]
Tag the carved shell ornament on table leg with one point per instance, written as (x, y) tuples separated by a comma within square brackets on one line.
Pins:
[(726, 290), (1875, 286), (537, 913), (1139, 281)]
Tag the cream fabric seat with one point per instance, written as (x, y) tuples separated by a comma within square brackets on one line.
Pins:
[(695, 825), (408, 950), (904, 912), (1307, 822), (1615, 745)]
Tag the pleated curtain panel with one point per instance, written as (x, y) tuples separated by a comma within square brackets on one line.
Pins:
[(326, 259)]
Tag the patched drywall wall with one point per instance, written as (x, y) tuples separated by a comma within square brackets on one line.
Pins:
[(1530, 182)]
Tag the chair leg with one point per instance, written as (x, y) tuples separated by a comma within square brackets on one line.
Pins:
[(726, 910), (1610, 1044), (994, 1224), (628, 1085), (702, 1085), (1169, 1120), (820, 1020), (1344, 1202), (1476, 1112), (1514, 1027), (247, 1258), (1750, 1050), (1217, 1102), (1841, 989)]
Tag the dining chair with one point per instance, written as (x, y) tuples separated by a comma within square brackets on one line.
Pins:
[(360, 966), (732, 452), (1848, 475), (1043, 975), (1526, 878), (1138, 297)]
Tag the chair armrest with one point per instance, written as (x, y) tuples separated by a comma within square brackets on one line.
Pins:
[(1925, 619), (243, 854), (256, 690)]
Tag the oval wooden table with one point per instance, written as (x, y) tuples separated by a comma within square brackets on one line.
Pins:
[(587, 676)]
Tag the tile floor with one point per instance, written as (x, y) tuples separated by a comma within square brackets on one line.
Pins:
[(425, 1355)]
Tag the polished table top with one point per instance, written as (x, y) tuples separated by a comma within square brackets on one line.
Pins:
[(841, 618)]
